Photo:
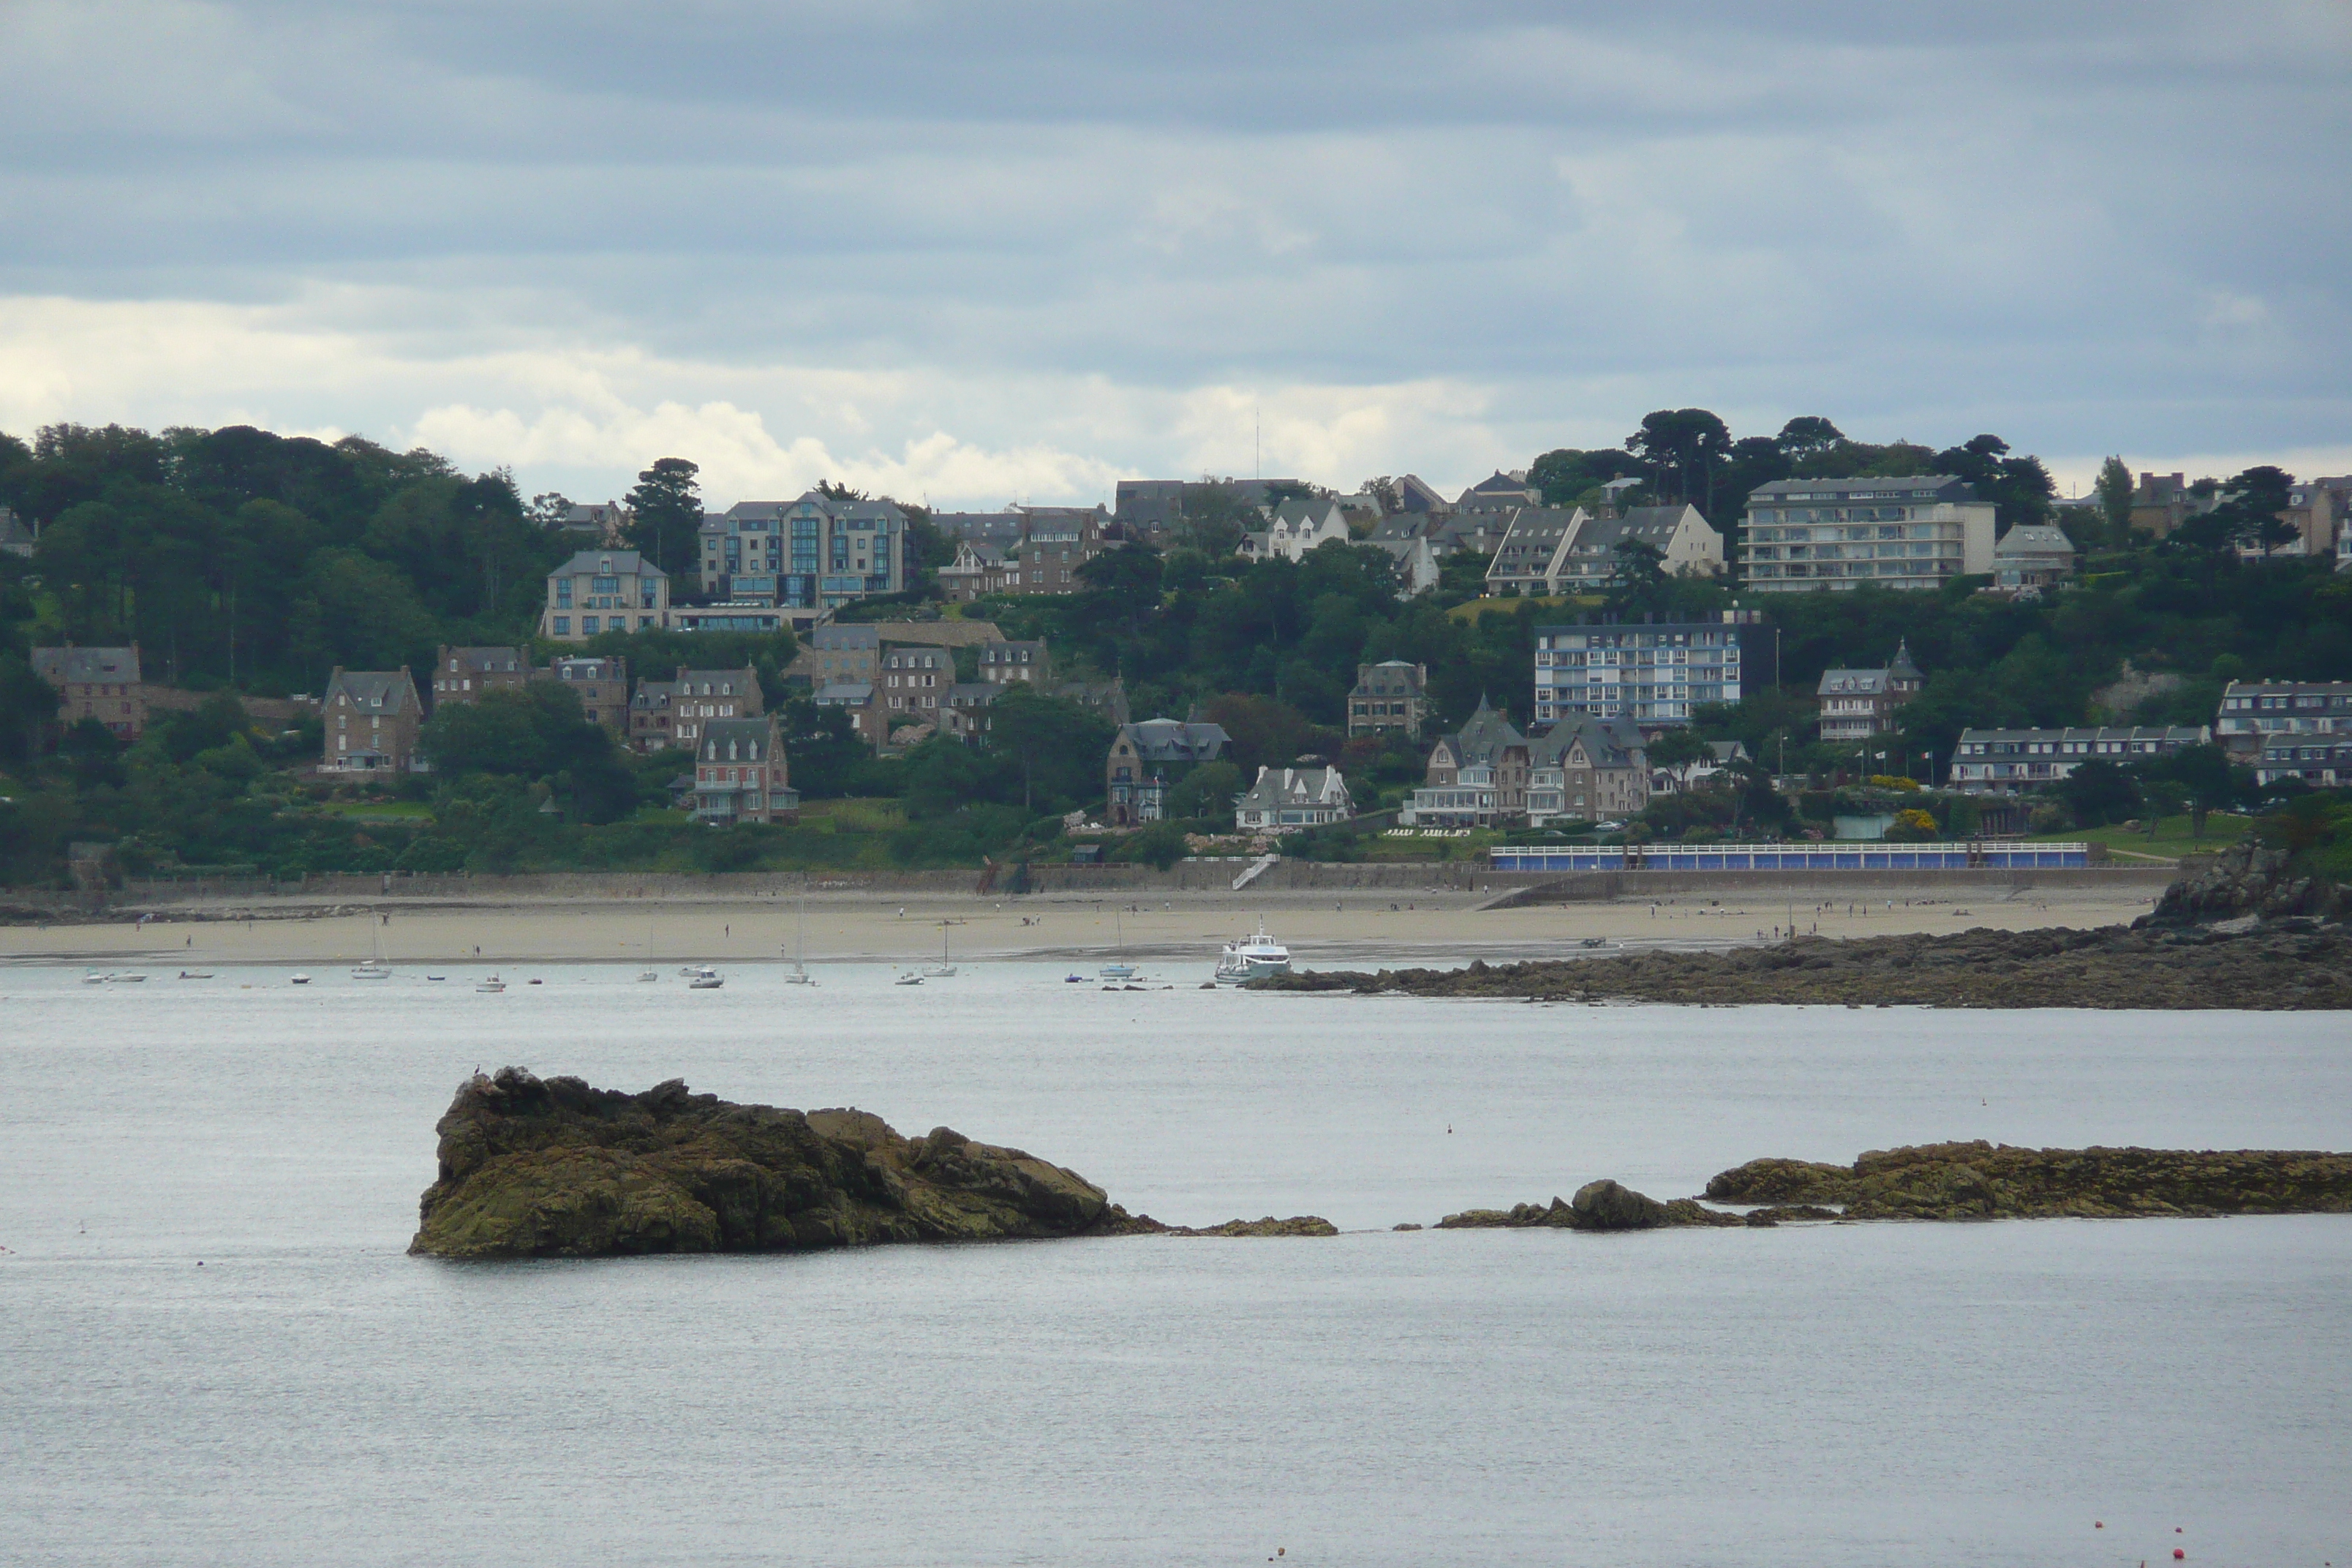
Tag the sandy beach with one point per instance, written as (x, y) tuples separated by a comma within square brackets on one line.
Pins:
[(1322, 929)]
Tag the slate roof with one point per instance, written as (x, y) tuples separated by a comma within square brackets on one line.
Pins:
[(625, 563), (1175, 740), (488, 660), (1608, 743), (1276, 787), (376, 691), (738, 741), (2035, 539), (85, 666), (1487, 733)]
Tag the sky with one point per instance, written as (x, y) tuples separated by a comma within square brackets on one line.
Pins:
[(1007, 252)]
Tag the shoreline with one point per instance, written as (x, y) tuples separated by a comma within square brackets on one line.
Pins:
[(1322, 928)]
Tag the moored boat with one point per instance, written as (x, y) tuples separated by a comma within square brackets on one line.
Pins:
[(1253, 957)]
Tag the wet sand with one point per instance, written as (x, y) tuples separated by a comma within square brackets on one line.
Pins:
[(1322, 929)]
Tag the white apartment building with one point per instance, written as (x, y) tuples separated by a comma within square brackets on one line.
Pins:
[(812, 552), (1654, 673), (1915, 535), (2254, 711)]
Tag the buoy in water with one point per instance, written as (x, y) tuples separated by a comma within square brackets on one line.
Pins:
[(2178, 1554)]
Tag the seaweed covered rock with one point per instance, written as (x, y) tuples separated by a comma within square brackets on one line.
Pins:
[(1989, 1181), (1598, 1205), (2291, 963), (555, 1168)]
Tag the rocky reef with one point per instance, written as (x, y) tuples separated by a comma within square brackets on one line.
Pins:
[(553, 1168), (1990, 1181), (2295, 964), (1964, 1182)]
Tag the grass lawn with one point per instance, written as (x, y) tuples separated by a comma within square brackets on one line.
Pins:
[(2170, 841)]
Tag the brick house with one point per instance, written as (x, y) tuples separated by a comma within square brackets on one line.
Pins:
[(739, 772), (463, 674), (373, 717), (101, 683)]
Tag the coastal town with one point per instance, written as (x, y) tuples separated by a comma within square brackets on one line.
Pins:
[(1563, 668)]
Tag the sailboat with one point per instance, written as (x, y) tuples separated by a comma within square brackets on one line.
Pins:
[(942, 970), (374, 968), (798, 974), (648, 974), (1120, 970)]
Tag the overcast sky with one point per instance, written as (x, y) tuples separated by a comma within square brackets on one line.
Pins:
[(1000, 251)]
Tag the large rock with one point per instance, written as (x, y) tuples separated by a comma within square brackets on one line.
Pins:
[(2244, 880), (555, 1168), (1606, 1206)]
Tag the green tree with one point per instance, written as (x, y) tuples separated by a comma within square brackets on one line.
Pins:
[(1678, 751), (536, 734), (1207, 791), (28, 705), (1806, 436), (667, 504), (1058, 746), (2114, 489), (1685, 449), (2099, 792)]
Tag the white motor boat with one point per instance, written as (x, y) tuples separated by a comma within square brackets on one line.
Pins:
[(909, 978), (1117, 971), (492, 983), (370, 972), (705, 979), (93, 977), (297, 979), (647, 976), (195, 975), (1253, 957), (125, 977)]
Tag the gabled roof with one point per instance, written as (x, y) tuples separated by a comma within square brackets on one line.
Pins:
[(739, 741), (1175, 740), (488, 660), (1276, 787), (2035, 539), (625, 563), (377, 690), (1608, 743), (1487, 733), (82, 666), (839, 639), (846, 693)]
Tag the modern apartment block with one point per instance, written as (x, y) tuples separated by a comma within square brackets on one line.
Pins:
[(600, 591), (2005, 761), (2253, 711), (812, 552), (1654, 673), (1915, 535)]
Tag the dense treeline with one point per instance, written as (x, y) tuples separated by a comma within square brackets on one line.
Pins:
[(235, 557)]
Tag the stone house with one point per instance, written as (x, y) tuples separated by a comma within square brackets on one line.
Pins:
[(1144, 759), (1856, 704), (914, 679), (373, 718), (101, 683), (977, 572), (741, 773), (1490, 742), (1298, 527), (649, 715), (866, 717), (463, 674), (1055, 540), (1007, 662), (1589, 770), (699, 696), (1391, 695), (1289, 800), (601, 684)]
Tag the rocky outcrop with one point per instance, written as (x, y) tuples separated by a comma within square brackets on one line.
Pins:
[(1297, 1225), (2293, 963), (1598, 1205), (1988, 1181), (534, 1168), (2245, 881)]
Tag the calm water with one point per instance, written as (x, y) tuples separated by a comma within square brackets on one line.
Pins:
[(1821, 1395)]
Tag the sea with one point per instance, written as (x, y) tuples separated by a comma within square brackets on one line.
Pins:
[(213, 1349)]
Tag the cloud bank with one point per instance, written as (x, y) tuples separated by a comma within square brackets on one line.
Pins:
[(981, 254)]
